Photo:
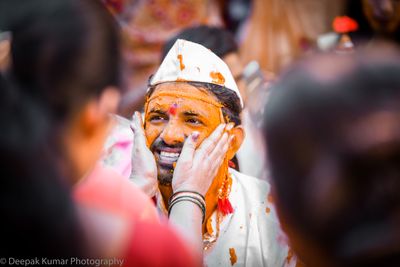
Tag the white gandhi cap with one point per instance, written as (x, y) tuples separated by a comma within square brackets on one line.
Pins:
[(188, 61)]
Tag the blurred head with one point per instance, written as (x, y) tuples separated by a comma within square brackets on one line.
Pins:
[(333, 138), (56, 92), (382, 15), (65, 58)]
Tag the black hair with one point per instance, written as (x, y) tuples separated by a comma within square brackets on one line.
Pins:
[(62, 61), (343, 199), (231, 103), (63, 53), (38, 216), (218, 40)]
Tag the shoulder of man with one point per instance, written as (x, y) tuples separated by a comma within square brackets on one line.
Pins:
[(256, 194), (256, 187)]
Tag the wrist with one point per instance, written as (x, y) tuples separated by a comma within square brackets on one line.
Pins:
[(148, 186), (188, 187), (140, 177), (188, 196)]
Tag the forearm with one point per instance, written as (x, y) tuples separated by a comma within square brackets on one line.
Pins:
[(146, 185), (187, 219)]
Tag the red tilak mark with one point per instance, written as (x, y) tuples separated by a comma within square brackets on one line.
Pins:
[(172, 109)]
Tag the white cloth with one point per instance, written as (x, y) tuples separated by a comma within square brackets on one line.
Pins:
[(251, 154), (253, 230)]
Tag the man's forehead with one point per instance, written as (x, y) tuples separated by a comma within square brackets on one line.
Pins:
[(185, 99), (182, 93), (176, 87)]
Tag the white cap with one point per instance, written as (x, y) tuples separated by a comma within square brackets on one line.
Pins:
[(188, 61)]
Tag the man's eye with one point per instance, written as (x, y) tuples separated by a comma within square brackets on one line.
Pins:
[(194, 121), (156, 118)]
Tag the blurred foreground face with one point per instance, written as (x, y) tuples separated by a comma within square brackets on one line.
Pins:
[(174, 111), (333, 139), (383, 15)]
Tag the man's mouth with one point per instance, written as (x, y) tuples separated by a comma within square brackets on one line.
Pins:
[(167, 158)]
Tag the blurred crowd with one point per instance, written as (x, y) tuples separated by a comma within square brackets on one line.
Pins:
[(200, 133)]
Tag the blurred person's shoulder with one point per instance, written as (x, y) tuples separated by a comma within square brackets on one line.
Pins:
[(104, 189), (157, 245)]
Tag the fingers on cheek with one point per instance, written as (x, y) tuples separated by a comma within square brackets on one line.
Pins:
[(151, 134), (225, 148)]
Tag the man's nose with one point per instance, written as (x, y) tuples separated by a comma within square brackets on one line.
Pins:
[(173, 133)]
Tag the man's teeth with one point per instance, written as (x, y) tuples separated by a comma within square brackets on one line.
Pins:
[(169, 155)]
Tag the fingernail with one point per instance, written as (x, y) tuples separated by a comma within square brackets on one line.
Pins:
[(195, 136), (229, 127)]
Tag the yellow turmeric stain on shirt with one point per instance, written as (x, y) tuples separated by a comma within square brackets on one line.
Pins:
[(233, 256), (209, 226)]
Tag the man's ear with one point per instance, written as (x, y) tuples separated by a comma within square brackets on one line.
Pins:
[(5, 47), (96, 112), (239, 135)]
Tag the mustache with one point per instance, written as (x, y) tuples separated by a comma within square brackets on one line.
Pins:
[(159, 144)]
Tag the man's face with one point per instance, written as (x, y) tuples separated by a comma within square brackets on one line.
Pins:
[(173, 112), (383, 15)]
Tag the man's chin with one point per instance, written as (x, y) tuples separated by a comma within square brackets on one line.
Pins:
[(165, 175)]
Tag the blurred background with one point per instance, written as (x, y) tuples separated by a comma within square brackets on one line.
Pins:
[(272, 32)]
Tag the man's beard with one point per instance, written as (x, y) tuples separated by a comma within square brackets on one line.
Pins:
[(166, 157)]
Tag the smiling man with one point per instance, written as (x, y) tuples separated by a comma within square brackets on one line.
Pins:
[(194, 91)]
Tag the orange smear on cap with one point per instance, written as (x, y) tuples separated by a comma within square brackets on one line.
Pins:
[(233, 257), (181, 65), (270, 198), (217, 77)]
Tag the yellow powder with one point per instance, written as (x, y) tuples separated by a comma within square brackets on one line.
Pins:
[(233, 256)]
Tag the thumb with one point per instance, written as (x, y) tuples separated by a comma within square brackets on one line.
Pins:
[(189, 147)]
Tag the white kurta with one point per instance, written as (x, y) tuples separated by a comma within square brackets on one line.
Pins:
[(252, 231)]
